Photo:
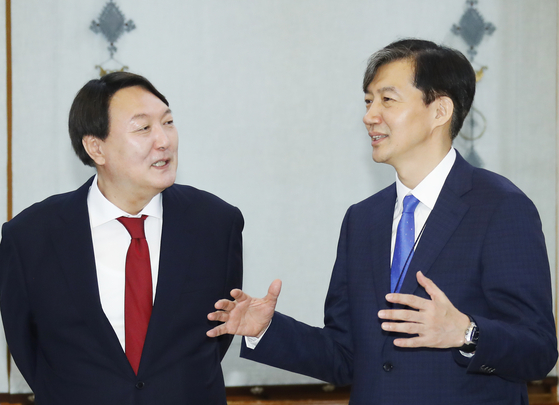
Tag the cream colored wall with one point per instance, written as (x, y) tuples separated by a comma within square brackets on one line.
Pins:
[(267, 98)]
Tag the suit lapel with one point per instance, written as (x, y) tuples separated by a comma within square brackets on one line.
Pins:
[(442, 222), (174, 254), (73, 246), (380, 230)]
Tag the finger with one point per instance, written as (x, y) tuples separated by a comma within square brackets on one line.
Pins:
[(411, 342), (430, 287), (274, 290), (400, 315), (411, 328), (239, 295), (219, 316), (407, 299), (225, 305), (217, 331)]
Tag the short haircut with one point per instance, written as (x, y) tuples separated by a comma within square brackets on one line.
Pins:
[(439, 71), (89, 114)]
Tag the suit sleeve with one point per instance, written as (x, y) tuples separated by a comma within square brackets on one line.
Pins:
[(234, 270), (323, 353), (14, 305), (517, 338)]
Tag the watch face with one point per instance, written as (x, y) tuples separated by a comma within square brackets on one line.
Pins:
[(472, 334), (475, 335), (470, 338)]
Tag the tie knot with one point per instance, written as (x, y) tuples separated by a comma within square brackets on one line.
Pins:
[(134, 226), (410, 203)]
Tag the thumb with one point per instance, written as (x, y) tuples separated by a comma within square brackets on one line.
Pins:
[(274, 290), (430, 287)]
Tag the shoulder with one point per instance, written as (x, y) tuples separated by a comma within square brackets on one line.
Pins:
[(485, 179), (480, 186), (41, 213), (489, 188), (383, 198), (201, 201)]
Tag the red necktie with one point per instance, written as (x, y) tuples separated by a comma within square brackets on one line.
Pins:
[(138, 290)]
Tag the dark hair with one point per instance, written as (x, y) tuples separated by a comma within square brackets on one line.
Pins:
[(89, 114), (439, 71)]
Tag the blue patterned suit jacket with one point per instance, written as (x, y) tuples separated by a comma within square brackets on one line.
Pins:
[(483, 246)]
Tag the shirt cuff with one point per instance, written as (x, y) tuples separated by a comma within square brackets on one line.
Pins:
[(252, 342)]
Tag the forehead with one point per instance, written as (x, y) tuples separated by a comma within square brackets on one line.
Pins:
[(399, 74), (132, 101)]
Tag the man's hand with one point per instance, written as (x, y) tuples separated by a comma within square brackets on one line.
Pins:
[(437, 322), (245, 316)]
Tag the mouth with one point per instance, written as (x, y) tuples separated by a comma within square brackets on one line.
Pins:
[(161, 163), (377, 137)]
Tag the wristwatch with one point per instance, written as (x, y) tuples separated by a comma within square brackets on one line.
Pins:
[(471, 336)]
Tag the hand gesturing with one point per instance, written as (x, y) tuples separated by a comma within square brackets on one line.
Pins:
[(246, 316), (437, 322)]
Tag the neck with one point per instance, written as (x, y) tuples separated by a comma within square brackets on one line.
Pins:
[(127, 200), (413, 171)]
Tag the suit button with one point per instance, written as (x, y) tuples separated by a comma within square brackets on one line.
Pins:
[(387, 366), (140, 385), (487, 369)]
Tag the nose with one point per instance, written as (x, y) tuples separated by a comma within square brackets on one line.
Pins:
[(162, 140), (372, 116)]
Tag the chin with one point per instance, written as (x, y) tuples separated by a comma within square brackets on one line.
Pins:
[(167, 182), (378, 159)]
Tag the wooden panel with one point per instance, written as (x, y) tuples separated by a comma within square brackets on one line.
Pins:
[(317, 394), (542, 392), (288, 402)]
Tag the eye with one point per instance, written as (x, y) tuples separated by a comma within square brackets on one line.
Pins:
[(169, 122), (386, 99)]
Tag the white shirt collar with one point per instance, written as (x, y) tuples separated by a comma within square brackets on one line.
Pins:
[(102, 210), (430, 187)]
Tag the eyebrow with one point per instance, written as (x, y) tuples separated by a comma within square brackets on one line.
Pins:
[(384, 90), (388, 88), (143, 115)]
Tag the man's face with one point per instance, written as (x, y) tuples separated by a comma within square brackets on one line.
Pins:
[(139, 157), (398, 121)]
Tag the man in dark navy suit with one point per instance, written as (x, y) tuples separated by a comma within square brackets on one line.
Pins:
[(441, 291), (83, 323)]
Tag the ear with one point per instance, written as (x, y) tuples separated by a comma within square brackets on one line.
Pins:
[(93, 147), (444, 109)]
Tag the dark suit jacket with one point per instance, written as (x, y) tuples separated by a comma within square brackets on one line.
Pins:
[(483, 246), (58, 333)]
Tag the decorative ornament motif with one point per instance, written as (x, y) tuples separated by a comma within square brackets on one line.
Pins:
[(472, 28), (112, 24)]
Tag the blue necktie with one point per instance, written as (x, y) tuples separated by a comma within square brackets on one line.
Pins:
[(403, 248)]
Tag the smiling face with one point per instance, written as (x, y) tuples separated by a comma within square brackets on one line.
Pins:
[(138, 159), (405, 133)]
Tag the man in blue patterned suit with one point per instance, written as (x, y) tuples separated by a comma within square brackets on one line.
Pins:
[(453, 308)]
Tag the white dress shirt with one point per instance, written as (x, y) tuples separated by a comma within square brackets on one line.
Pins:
[(427, 192), (110, 245)]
